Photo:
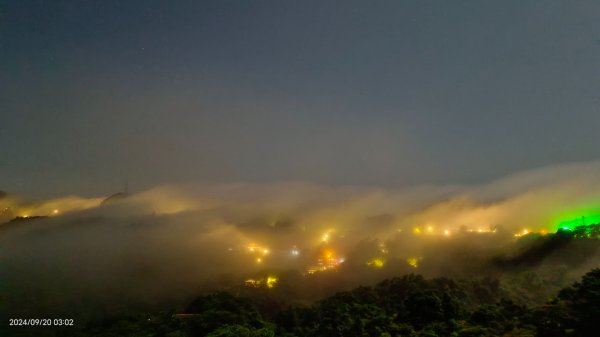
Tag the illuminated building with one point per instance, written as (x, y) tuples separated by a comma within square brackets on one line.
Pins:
[(327, 260)]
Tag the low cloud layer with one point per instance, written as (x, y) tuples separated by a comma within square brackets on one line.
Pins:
[(175, 239)]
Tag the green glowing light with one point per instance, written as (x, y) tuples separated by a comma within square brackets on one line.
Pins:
[(583, 220)]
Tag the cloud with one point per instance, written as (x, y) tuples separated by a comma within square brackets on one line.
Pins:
[(172, 238)]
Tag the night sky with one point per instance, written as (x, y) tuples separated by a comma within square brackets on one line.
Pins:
[(388, 93)]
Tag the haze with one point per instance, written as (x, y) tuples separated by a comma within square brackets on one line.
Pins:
[(299, 168), (96, 94)]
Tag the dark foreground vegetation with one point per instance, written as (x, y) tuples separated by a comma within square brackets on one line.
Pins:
[(406, 306)]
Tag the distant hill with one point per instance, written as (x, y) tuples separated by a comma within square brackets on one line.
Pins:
[(115, 197)]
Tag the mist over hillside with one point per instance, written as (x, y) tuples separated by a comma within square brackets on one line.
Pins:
[(83, 256)]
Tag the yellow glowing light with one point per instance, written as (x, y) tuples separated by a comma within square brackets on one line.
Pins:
[(429, 229), (271, 281), (524, 232), (446, 232), (258, 260), (544, 231), (479, 230), (55, 211), (417, 231), (376, 263), (26, 215), (254, 248), (327, 260), (413, 262), (325, 237), (252, 283)]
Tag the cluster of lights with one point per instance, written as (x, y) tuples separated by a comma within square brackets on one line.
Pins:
[(481, 230), (376, 262), (413, 261), (26, 214), (447, 232), (258, 251), (379, 262), (528, 231), (252, 248), (523, 233), (327, 261), (269, 282), (430, 230), (295, 252)]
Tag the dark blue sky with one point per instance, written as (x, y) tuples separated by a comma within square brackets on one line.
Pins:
[(93, 93)]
